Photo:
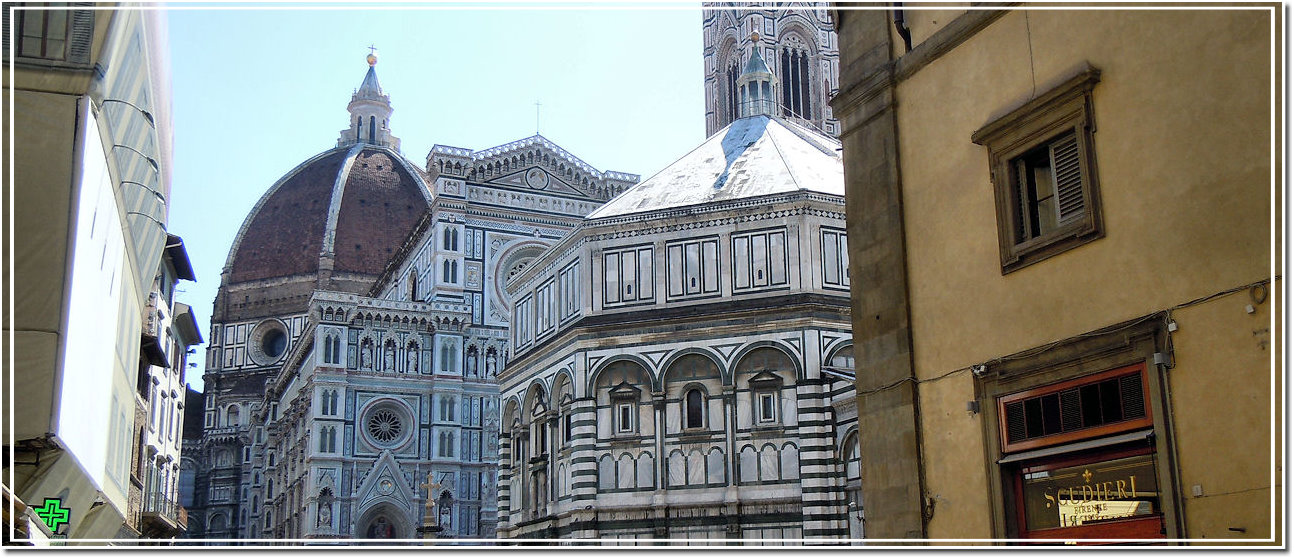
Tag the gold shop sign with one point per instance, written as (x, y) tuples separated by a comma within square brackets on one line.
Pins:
[(1090, 493)]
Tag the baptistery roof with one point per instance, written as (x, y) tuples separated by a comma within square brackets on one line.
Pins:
[(753, 156)]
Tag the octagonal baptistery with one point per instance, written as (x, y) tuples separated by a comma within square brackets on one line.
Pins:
[(331, 223)]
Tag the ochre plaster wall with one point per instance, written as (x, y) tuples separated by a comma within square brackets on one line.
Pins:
[(1183, 156)]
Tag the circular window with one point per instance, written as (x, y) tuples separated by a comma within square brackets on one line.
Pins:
[(268, 342), (386, 425), (273, 343)]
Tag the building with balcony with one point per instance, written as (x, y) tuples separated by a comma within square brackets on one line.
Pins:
[(169, 330), (90, 179)]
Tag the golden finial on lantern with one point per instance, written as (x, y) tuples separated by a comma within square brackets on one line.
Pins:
[(372, 58), (754, 36)]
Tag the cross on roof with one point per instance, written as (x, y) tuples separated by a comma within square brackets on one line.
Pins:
[(372, 49)]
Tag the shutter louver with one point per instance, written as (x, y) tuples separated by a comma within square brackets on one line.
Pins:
[(1069, 177), (1015, 427), (81, 34), (1134, 405), (1071, 410)]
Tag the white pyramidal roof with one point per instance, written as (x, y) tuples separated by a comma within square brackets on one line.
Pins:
[(753, 156)]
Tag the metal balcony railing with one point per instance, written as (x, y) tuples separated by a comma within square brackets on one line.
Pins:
[(159, 506)]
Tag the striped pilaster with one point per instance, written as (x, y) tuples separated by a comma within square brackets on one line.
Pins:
[(504, 481), (821, 475)]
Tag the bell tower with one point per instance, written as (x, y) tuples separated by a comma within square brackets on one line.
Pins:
[(799, 48)]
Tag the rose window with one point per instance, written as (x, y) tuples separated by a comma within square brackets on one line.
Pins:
[(385, 426)]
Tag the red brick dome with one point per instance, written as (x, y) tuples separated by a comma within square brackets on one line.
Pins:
[(333, 222)]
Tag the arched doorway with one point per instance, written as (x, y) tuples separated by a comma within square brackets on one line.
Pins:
[(383, 521)]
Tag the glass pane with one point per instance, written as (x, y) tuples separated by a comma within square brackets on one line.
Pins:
[(1090, 493)]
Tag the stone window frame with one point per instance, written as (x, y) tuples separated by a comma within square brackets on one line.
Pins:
[(1032, 126), (1090, 354)]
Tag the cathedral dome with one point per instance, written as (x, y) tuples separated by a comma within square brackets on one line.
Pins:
[(333, 223)]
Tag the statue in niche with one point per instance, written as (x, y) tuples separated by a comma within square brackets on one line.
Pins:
[(389, 358), (471, 362), (412, 364), (491, 364), (325, 514), (366, 355)]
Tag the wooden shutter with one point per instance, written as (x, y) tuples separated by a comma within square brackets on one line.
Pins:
[(1023, 231), (1066, 165)]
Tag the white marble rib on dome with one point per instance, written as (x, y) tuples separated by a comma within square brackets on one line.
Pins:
[(751, 157)]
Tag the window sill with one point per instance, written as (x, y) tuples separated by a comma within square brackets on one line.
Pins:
[(1056, 242)]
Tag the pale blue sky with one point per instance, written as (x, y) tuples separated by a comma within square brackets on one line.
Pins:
[(257, 91)]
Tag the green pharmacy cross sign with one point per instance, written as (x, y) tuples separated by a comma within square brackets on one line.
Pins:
[(53, 513)]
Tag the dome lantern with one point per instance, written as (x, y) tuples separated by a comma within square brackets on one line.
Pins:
[(370, 110)]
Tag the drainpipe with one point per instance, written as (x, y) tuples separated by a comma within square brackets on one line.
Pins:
[(902, 28)]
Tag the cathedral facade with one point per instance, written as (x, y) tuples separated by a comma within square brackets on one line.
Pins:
[(797, 42), (359, 329), (683, 362)]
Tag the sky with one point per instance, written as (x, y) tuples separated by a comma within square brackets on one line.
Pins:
[(257, 90)]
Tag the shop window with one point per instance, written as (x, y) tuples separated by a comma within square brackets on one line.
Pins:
[(1077, 450), (1043, 168)]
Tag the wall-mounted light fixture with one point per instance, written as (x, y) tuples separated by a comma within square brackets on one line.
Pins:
[(151, 161), (147, 115)]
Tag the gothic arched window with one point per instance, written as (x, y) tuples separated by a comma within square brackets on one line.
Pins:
[(413, 284), (372, 129), (732, 74)]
